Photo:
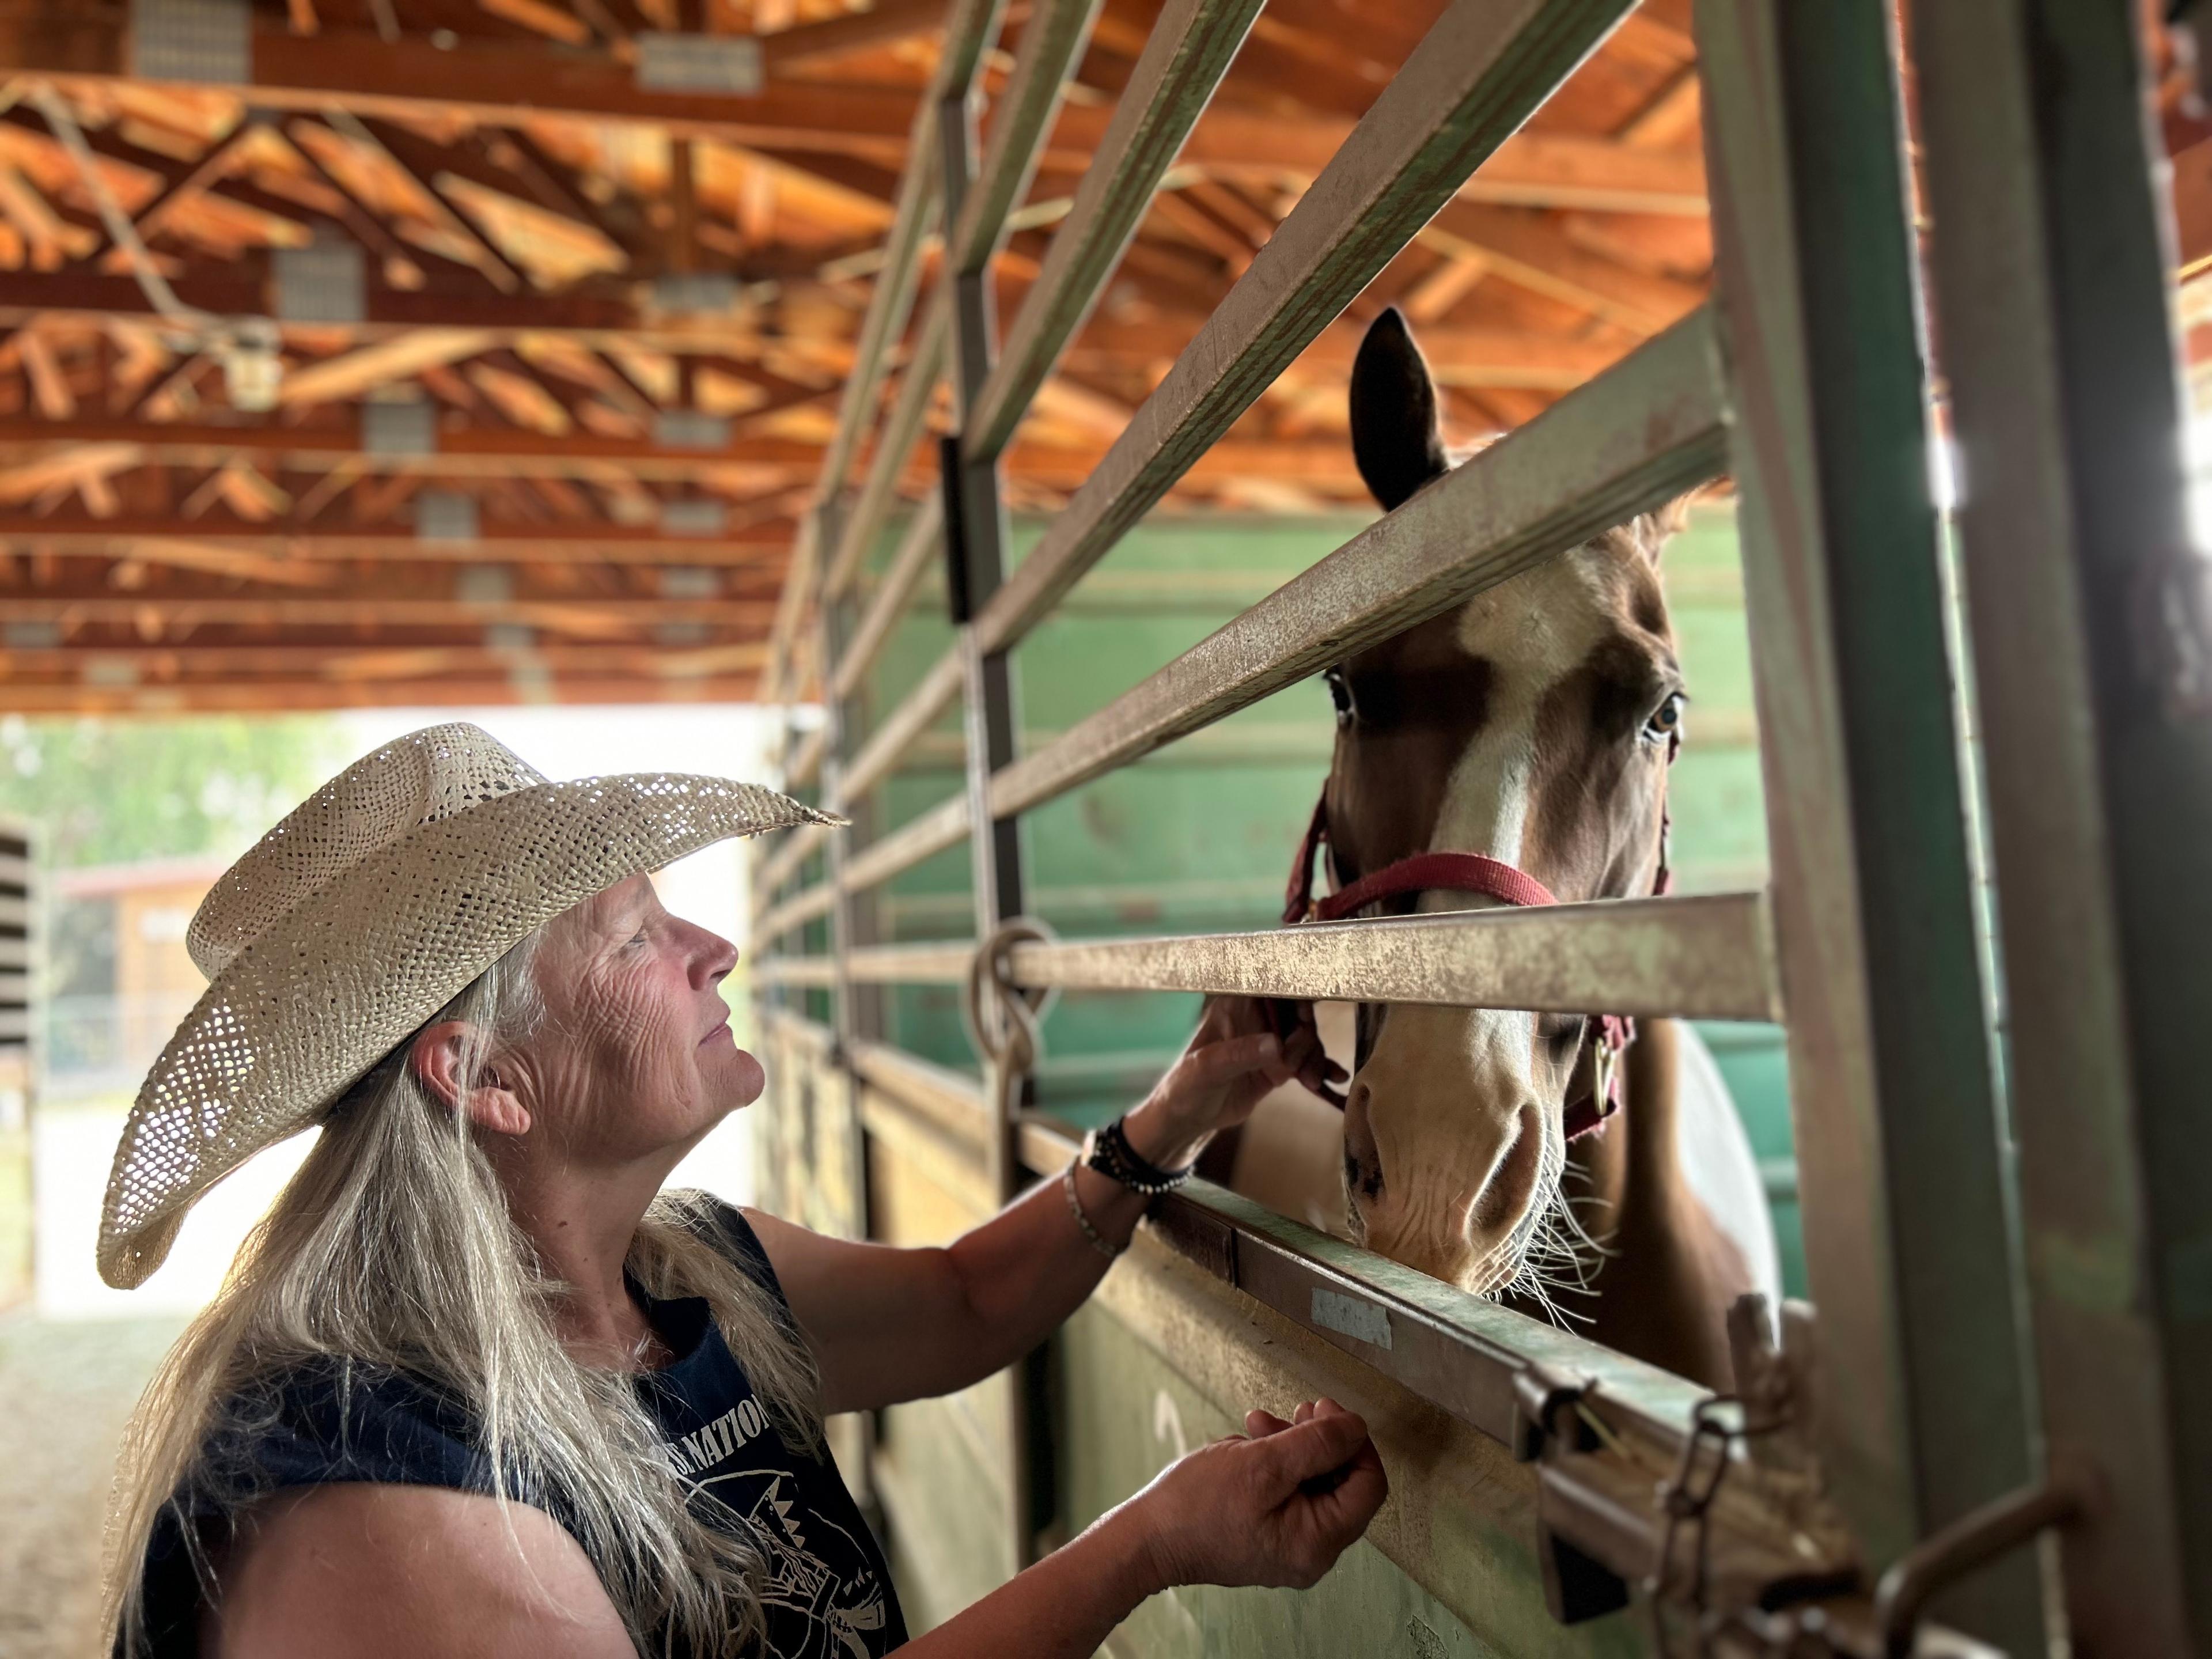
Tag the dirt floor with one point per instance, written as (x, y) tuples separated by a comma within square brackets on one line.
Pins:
[(65, 1390)]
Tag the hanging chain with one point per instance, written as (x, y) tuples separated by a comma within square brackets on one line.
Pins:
[(1687, 1501)]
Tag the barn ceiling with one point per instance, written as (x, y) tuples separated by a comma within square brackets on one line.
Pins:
[(440, 352)]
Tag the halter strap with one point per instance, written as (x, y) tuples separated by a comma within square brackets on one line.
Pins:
[(1471, 872)]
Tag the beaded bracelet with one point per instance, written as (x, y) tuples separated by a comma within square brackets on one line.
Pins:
[(1098, 1241), (1108, 1151)]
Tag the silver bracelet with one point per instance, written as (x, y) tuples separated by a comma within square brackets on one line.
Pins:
[(1075, 1208)]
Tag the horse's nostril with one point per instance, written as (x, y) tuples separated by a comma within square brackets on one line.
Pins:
[(1505, 1196), (1363, 1158)]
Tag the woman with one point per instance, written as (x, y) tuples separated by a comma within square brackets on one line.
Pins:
[(476, 1385)]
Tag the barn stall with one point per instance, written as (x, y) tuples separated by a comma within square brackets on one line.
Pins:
[(1105, 805), (970, 381)]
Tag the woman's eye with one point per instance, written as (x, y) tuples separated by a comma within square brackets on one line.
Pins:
[(1666, 720)]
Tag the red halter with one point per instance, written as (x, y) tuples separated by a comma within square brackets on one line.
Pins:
[(1469, 873)]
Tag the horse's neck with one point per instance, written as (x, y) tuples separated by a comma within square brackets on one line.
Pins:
[(1630, 1162), (1668, 1275)]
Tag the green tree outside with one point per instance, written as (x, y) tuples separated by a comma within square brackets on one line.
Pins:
[(102, 791)]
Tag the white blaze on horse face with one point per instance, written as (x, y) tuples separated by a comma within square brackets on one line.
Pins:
[(1452, 1108)]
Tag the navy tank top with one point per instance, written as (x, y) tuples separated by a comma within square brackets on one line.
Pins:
[(826, 1594)]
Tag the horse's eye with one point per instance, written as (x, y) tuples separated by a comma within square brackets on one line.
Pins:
[(1338, 693), (1665, 721)]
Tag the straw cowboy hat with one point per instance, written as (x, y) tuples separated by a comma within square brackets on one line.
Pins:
[(356, 919)]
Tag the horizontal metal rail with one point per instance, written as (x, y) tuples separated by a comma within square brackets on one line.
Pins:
[(817, 973), (950, 1100), (970, 24), (969, 29), (782, 1025), (1706, 958), (779, 867), (943, 825), (938, 962), (1649, 427), (924, 539), (798, 772), (1469, 84), (1645, 430), (1711, 957), (1185, 56), (895, 443), (1457, 1350), (1475, 1359), (794, 912), (1052, 40), (881, 752)]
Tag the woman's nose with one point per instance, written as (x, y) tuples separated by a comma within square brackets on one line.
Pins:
[(712, 956)]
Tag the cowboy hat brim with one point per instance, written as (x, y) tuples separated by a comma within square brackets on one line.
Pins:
[(332, 986)]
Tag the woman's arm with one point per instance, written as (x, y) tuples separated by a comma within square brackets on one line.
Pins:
[(888, 1324), (1276, 1509), (364, 1572)]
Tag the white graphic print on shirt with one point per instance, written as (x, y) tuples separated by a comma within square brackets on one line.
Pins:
[(818, 1593)]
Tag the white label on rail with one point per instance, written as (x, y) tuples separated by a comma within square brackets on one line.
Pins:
[(1352, 1315)]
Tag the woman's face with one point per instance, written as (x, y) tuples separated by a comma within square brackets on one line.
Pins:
[(635, 1055)]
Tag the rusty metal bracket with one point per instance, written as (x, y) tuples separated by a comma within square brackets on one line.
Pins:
[(1972, 1541), (1541, 1392)]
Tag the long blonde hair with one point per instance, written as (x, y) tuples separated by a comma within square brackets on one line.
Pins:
[(393, 1250)]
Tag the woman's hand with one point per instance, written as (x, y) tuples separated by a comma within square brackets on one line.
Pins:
[(1232, 1061), (1275, 1508)]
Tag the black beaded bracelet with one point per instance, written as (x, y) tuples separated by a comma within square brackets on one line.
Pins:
[(1108, 1151)]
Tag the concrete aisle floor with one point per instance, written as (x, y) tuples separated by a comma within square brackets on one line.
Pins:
[(66, 1388)]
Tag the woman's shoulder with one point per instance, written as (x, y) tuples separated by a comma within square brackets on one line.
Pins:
[(330, 1420), (339, 1570)]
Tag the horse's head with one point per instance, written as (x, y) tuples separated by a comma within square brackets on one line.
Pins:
[(1533, 723)]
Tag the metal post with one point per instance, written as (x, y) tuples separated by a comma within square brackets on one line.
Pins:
[(975, 537), (1900, 1136), (2052, 259)]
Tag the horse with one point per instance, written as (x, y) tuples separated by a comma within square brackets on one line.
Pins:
[(1533, 725)]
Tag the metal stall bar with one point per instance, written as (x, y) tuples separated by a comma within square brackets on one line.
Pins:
[(810, 905), (1704, 958), (968, 27), (922, 542), (1707, 957), (930, 697), (1490, 1367), (1644, 430), (1639, 435), (943, 825), (2051, 260), (1051, 41), (857, 527), (1473, 79), (895, 443), (1185, 56), (780, 866), (977, 199), (1892, 1073)]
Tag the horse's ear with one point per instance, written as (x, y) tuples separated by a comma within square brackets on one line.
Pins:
[(1652, 530), (1394, 435)]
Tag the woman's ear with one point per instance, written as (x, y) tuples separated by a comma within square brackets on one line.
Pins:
[(440, 1058)]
